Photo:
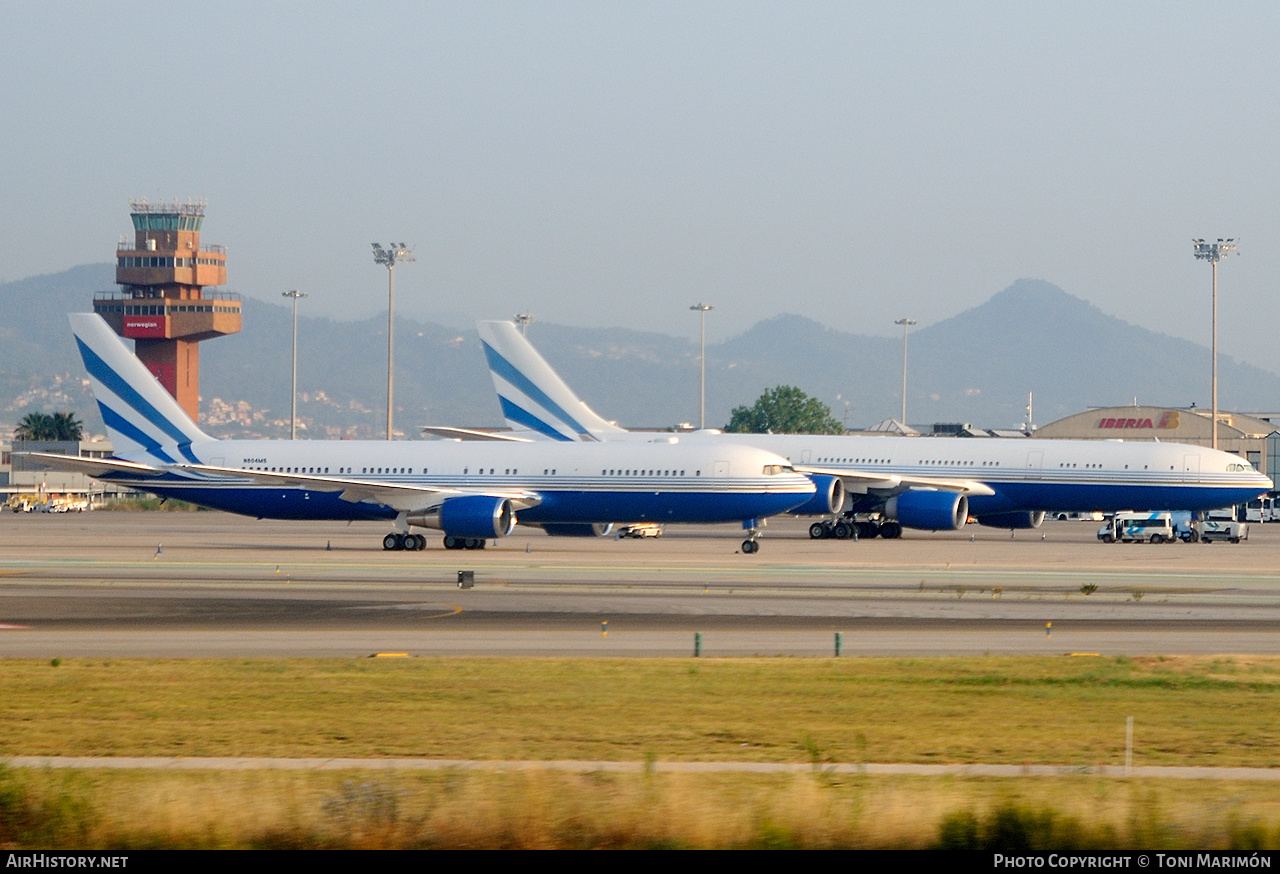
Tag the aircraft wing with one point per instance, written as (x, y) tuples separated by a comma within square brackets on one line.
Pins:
[(398, 496), (471, 434), (94, 467), (861, 482)]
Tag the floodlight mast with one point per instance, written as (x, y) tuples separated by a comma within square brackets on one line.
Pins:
[(1213, 253), (523, 320), (702, 309), (293, 396), (906, 323), (395, 253)]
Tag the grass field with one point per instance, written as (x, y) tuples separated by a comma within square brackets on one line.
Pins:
[(1068, 711), (1062, 710)]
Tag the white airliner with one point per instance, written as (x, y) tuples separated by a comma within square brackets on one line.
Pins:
[(470, 491), (879, 485)]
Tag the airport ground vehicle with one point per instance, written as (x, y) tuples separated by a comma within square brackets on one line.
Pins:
[(1154, 527), (1227, 523), (469, 491), (641, 531)]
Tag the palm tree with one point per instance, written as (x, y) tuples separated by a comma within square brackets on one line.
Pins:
[(49, 427)]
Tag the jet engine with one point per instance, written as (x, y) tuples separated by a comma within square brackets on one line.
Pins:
[(469, 516), (597, 529), (929, 510), (1026, 519), (828, 499)]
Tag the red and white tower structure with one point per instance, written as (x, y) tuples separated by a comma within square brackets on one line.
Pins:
[(163, 304)]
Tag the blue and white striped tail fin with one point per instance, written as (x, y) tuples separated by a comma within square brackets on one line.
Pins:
[(141, 417), (533, 396)]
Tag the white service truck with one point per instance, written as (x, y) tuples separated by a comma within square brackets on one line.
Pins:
[(1226, 524)]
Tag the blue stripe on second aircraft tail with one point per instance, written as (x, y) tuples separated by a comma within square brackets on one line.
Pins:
[(513, 413), (507, 371)]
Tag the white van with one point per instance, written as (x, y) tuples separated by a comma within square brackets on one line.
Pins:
[(1138, 528)]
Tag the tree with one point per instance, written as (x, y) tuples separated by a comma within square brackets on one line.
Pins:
[(784, 410), (49, 427)]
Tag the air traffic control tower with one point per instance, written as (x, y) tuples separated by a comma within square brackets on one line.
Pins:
[(162, 304)]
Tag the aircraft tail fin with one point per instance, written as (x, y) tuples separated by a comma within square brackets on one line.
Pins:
[(533, 396), (141, 417)]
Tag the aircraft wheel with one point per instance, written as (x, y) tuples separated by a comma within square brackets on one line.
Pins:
[(392, 542), (817, 530), (868, 530), (451, 542), (750, 547), (891, 530), (841, 531), (418, 542)]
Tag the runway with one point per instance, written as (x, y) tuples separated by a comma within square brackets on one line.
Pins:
[(114, 584)]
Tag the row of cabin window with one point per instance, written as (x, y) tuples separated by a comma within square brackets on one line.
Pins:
[(960, 463), (646, 473), (387, 470), (511, 471)]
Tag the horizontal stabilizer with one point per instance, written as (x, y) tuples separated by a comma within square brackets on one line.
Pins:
[(472, 434), (94, 467)]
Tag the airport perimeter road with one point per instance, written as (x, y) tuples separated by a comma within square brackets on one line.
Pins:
[(209, 584)]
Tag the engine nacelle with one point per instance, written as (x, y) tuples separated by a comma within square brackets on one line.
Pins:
[(476, 516), (595, 529), (828, 499), (929, 510), (1025, 519)]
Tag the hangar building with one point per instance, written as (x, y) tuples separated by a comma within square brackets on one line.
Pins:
[(1255, 439)]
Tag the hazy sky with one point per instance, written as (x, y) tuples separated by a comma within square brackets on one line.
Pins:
[(607, 163)]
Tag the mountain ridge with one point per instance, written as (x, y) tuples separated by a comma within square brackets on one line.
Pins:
[(976, 366)]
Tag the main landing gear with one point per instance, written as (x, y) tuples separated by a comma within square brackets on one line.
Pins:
[(397, 541), (843, 529)]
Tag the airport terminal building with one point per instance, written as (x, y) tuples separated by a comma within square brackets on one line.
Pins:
[(1252, 437)]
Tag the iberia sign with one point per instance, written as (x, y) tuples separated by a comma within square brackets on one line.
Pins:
[(1166, 421)]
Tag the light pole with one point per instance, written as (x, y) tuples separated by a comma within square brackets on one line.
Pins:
[(906, 323), (702, 362), (522, 321), (1213, 252), (293, 395), (395, 253)]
